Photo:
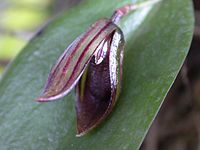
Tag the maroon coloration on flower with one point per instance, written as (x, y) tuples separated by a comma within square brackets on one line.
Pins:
[(99, 88), (92, 63), (72, 63), (99, 50)]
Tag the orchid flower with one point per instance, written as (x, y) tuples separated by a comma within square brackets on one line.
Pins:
[(92, 64)]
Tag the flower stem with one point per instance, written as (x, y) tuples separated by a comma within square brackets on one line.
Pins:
[(122, 11)]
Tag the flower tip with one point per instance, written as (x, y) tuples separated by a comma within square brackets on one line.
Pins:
[(42, 99), (80, 134), (48, 98)]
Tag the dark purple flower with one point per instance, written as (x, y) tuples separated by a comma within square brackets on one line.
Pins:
[(92, 63)]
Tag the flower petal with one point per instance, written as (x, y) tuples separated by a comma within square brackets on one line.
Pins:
[(72, 63), (99, 87)]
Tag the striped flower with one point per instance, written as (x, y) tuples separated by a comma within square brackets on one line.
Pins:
[(92, 63)]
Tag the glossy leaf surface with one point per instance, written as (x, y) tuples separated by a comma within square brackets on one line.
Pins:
[(157, 41)]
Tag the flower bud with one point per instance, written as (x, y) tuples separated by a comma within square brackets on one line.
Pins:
[(92, 63)]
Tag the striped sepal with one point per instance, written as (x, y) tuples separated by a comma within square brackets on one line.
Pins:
[(72, 63)]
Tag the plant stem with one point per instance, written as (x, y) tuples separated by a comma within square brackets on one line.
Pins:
[(122, 11)]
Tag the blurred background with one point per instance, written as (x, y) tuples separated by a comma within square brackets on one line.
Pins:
[(177, 125), (21, 19)]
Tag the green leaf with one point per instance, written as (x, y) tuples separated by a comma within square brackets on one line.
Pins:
[(157, 41)]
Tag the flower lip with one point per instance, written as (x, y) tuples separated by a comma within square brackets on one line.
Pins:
[(99, 87)]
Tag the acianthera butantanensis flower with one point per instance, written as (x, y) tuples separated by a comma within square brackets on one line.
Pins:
[(93, 64)]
